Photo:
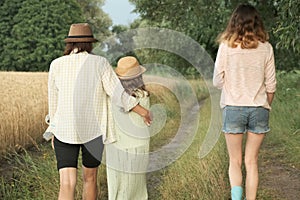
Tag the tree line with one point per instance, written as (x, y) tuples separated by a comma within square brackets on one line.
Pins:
[(203, 20), (32, 31)]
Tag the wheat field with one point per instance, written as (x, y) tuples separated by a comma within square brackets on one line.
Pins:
[(23, 106)]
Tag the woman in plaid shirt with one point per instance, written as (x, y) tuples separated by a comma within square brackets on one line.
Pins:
[(81, 89)]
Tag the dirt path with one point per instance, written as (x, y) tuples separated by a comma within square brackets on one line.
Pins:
[(279, 179)]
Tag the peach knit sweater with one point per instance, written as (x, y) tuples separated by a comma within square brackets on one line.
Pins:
[(245, 75)]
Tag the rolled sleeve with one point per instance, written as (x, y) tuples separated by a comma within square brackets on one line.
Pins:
[(270, 75)]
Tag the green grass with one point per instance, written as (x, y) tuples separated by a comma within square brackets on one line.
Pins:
[(285, 118), (192, 178), (33, 174), (30, 176), (281, 146)]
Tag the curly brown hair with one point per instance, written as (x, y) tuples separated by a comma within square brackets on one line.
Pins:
[(245, 27)]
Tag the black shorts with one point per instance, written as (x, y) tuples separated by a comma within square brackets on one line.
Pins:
[(67, 154)]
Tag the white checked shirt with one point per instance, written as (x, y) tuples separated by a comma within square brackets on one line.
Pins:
[(81, 88)]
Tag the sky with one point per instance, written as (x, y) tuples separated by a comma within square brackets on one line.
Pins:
[(120, 11)]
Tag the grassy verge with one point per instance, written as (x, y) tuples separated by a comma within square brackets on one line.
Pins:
[(188, 177), (280, 153), (192, 178), (32, 175), (285, 119)]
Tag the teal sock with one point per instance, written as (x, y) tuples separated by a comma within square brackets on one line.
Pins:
[(236, 193)]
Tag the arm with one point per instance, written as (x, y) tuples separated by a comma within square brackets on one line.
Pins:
[(115, 90), (144, 113), (52, 99), (52, 94), (218, 77), (270, 97), (270, 77)]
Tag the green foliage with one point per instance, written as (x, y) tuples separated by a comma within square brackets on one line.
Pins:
[(286, 31), (195, 18), (32, 31), (119, 45), (36, 33), (203, 20), (117, 29), (94, 15), (288, 25), (8, 10)]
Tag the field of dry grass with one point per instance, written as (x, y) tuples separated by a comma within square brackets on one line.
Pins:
[(23, 106)]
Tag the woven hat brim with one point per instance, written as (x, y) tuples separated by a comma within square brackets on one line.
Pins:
[(69, 40), (143, 69)]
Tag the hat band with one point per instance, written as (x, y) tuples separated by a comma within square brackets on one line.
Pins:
[(81, 36), (131, 72)]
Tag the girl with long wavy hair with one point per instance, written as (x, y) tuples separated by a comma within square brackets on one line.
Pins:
[(245, 72)]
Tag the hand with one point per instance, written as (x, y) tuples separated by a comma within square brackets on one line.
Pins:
[(148, 118), (144, 113), (270, 97)]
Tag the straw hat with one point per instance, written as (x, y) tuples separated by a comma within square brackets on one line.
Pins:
[(129, 68), (80, 33)]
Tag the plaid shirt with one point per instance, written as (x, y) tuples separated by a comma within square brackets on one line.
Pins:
[(81, 88)]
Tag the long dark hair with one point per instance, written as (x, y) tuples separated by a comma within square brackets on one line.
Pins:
[(245, 27), (81, 46)]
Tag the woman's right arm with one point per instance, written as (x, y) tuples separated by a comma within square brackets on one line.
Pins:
[(270, 76), (52, 98), (115, 90), (52, 93), (270, 97)]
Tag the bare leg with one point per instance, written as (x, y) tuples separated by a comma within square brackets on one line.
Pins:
[(89, 183), (234, 146), (253, 144), (68, 177)]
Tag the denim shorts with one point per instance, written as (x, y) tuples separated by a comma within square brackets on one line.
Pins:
[(242, 119)]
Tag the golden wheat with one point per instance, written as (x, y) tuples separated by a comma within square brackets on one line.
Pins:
[(23, 106)]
